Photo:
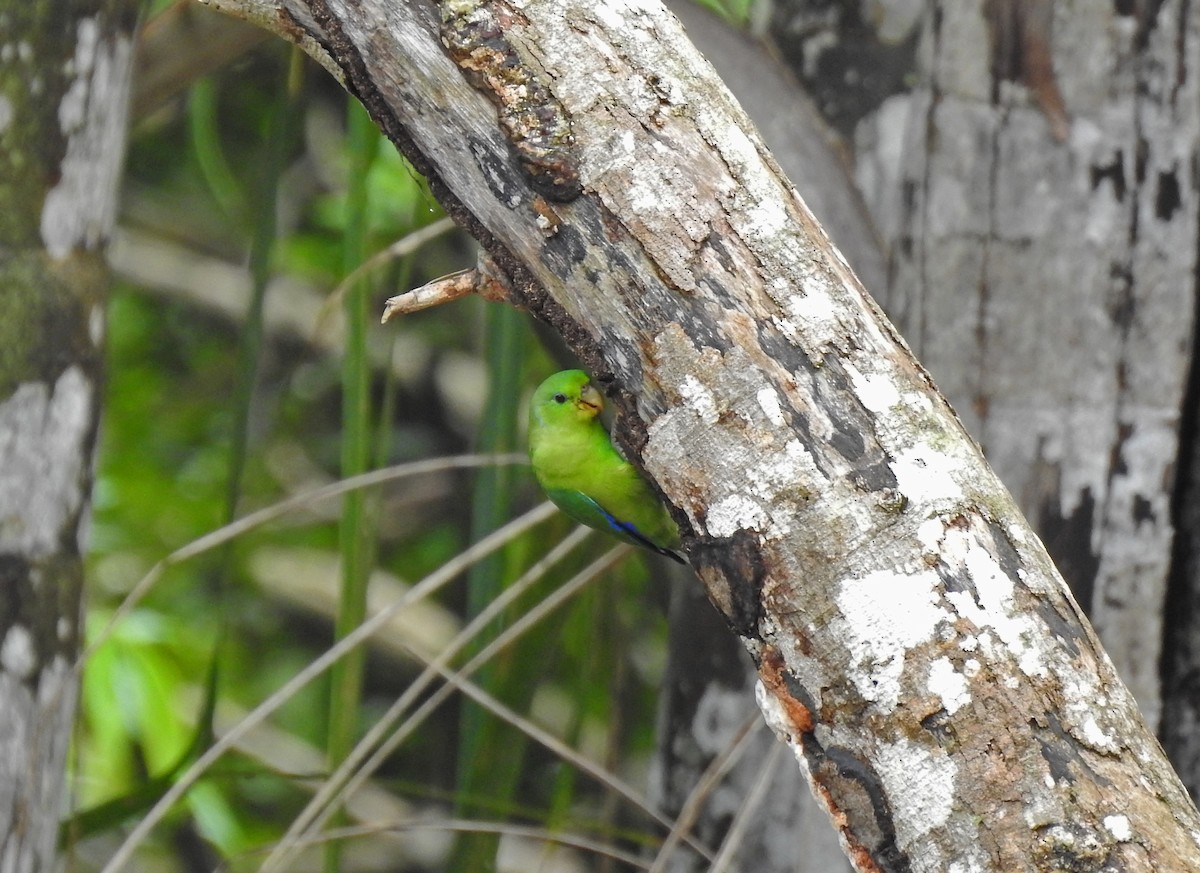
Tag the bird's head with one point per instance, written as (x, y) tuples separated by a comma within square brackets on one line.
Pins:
[(568, 396)]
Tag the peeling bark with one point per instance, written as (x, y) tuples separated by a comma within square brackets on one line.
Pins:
[(916, 647), (63, 93)]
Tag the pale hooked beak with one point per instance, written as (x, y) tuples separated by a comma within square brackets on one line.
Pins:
[(589, 397)]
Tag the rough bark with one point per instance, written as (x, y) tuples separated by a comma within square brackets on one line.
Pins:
[(1141, 103), (801, 141), (705, 699), (64, 71), (1044, 258), (916, 646)]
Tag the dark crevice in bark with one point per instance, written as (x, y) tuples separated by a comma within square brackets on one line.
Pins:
[(916, 327), (1179, 667), (838, 55), (1145, 13)]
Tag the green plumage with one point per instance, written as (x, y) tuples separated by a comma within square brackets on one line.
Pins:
[(578, 468)]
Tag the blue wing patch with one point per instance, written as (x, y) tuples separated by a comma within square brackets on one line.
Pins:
[(627, 530)]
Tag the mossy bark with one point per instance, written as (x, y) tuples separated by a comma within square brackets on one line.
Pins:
[(64, 70)]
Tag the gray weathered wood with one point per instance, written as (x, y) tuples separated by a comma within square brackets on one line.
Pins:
[(1049, 285), (705, 700)]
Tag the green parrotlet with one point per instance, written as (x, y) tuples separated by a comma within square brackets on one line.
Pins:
[(578, 468)]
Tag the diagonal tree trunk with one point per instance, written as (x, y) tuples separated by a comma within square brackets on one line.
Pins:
[(705, 700), (916, 647), (64, 71), (1089, 424)]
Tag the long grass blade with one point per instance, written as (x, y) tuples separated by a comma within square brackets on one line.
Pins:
[(562, 838), (356, 532), (480, 769), (748, 811), (571, 756), (703, 789), (427, 586), (267, 514), (373, 749)]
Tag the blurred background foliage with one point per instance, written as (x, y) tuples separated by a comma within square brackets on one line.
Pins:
[(237, 378)]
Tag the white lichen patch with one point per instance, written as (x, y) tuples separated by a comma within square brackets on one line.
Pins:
[(1041, 808), (774, 480), (773, 713), (780, 471), (42, 435), (717, 708), (56, 687), (610, 13), (1096, 736), (929, 535), (811, 315), (991, 605), (807, 308), (660, 204), (79, 211), (768, 401), (978, 862), (742, 155), (1083, 698), (1119, 827), (766, 498), (925, 475), (919, 783), (948, 684), (759, 207), (17, 655), (6, 113), (733, 513), (625, 14), (699, 399), (766, 219), (96, 325), (885, 614), (876, 391)]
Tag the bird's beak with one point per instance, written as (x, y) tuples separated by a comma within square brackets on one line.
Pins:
[(590, 399)]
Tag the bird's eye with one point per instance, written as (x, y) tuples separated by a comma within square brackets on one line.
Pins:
[(560, 398)]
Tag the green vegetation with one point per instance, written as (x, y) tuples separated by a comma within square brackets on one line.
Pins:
[(237, 381), (739, 12)]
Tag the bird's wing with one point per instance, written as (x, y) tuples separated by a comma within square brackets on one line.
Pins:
[(583, 508)]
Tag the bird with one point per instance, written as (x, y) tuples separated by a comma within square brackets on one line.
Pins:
[(577, 466)]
